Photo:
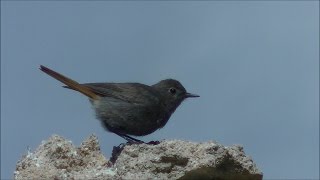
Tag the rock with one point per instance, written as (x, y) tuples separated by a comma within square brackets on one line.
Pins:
[(57, 158)]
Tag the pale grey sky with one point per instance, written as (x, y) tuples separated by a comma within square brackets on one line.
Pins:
[(254, 64)]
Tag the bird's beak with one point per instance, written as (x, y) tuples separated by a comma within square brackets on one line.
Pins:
[(189, 95)]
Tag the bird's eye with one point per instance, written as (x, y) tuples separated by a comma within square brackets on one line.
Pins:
[(172, 90)]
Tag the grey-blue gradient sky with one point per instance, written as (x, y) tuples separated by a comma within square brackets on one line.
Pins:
[(255, 65)]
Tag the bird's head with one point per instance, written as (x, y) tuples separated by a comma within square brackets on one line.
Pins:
[(173, 92)]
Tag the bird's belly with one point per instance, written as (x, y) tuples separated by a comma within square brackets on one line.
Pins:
[(128, 118)]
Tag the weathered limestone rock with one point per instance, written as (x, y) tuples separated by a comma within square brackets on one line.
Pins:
[(57, 158)]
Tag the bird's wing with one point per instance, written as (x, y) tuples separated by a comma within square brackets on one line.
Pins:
[(129, 92)]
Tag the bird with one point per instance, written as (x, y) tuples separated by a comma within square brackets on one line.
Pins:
[(129, 109)]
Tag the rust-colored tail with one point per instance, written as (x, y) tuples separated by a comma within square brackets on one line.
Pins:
[(70, 83)]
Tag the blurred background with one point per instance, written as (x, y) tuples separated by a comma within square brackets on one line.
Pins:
[(254, 64)]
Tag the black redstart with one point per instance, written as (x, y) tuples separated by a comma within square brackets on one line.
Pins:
[(130, 108)]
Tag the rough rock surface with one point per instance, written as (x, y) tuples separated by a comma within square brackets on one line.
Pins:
[(57, 158)]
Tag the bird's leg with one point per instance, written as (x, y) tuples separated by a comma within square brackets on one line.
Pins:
[(132, 140), (129, 139)]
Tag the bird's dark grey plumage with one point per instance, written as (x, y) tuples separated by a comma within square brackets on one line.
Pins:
[(130, 108)]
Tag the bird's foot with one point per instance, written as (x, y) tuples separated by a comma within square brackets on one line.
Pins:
[(153, 142)]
